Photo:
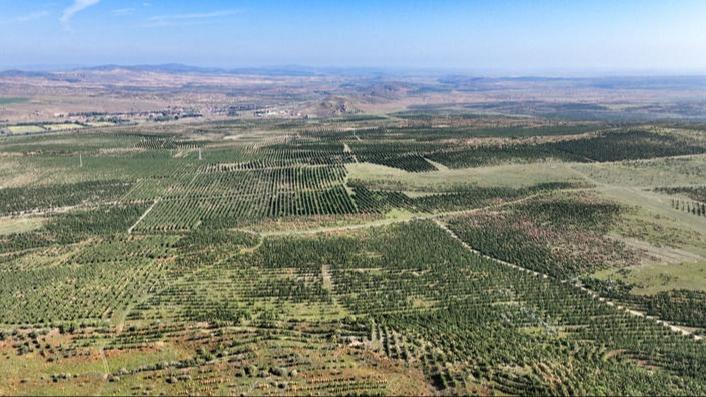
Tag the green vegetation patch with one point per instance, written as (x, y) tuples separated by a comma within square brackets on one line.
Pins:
[(18, 200), (12, 100), (608, 146), (680, 306), (562, 236)]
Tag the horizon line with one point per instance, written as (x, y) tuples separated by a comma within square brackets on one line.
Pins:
[(559, 72)]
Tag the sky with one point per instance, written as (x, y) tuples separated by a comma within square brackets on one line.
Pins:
[(494, 36)]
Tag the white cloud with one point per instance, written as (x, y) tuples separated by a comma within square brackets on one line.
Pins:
[(178, 19), (120, 12), (32, 16), (73, 9), (25, 18)]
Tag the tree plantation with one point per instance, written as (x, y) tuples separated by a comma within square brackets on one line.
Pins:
[(405, 254)]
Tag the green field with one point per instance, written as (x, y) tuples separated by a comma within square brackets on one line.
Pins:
[(275, 258), (62, 126), (25, 129), (12, 100)]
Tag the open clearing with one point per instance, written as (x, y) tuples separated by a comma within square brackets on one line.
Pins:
[(20, 225), (652, 278)]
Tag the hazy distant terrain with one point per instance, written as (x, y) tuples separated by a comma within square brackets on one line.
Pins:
[(118, 91), (311, 231)]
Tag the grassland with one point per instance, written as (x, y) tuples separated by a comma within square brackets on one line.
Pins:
[(510, 175), (652, 278), (4, 101), (400, 255), (19, 225)]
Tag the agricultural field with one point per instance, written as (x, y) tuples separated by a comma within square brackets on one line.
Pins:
[(417, 252), (24, 129)]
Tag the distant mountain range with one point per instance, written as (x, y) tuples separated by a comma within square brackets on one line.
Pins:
[(178, 68), (458, 80)]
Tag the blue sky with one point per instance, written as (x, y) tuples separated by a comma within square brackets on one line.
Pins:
[(513, 36)]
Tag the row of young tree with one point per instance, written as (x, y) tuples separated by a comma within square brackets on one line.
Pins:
[(692, 207)]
